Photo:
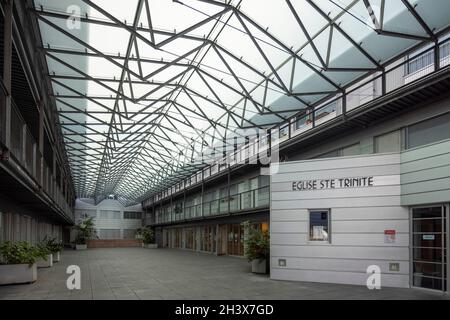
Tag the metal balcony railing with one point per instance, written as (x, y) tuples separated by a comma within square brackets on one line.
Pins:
[(249, 200), (24, 151), (374, 86)]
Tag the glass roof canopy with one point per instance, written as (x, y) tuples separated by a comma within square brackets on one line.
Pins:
[(143, 87)]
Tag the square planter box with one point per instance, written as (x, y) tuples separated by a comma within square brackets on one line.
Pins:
[(57, 257), (45, 263), (81, 246), (259, 266), (150, 246), (18, 273)]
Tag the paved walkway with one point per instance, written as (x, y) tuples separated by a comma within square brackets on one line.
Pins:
[(135, 273)]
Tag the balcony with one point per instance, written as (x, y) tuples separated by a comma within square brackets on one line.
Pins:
[(236, 203), (355, 97), (27, 161)]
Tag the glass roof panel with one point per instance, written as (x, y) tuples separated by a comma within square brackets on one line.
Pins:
[(141, 85)]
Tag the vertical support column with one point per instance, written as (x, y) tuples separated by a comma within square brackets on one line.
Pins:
[(35, 171), (183, 207), (383, 82), (344, 104), (40, 170), (54, 174), (437, 55), (202, 195), (155, 218), (228, 188), (171, 210), (24, 144), (7, 56), (162, 211)]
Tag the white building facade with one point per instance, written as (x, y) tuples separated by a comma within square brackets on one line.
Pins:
[(334, 219), (112, 220)]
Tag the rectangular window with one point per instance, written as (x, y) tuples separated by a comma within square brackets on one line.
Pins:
[(389, 142), (352, 150), (331, 154), (429, 131), (319, 225), (110, 214), (130, 215)]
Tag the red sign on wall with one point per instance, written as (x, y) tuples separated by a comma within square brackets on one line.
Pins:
[(389, 236)]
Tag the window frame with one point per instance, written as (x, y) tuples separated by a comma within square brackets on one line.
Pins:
[(407, 134), (319, 242), (401, 132)]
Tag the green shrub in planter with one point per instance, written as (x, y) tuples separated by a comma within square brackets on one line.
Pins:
[(18, 263), (256, 243), (148, 236), (85, 230), (19, 253), (53, 245)]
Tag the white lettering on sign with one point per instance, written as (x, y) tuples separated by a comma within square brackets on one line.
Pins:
[(340, 183)]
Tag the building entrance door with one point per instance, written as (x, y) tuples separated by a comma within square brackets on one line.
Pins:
[(223, 236), (429, 247)]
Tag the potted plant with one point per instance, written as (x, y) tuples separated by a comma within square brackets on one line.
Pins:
[(45, 256), (84, 230), (18, 263), (55, 248), (256, 248), (148, 239)]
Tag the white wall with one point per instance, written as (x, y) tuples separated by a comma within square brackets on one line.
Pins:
[(109, 224), (359, 218)]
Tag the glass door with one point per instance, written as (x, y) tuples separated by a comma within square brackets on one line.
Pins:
[(429, 247)]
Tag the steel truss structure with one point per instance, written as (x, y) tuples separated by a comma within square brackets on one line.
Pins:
[(144, 87)]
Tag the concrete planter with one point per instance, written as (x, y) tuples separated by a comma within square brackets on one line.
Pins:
[(81, 246), (57, 257), (150, 246), (18, 273), (259, 266), (45, 263)]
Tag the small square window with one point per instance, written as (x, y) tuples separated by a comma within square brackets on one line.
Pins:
[(319, 225)]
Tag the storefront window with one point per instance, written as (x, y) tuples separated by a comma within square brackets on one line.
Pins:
[(319, 225)]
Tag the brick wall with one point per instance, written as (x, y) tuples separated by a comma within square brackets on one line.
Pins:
[(116, 243)]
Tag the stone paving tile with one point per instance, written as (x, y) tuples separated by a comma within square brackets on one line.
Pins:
[(136, 273)]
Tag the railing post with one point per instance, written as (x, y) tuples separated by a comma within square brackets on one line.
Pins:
[(289, 129), (437, 56), (344, 102)]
